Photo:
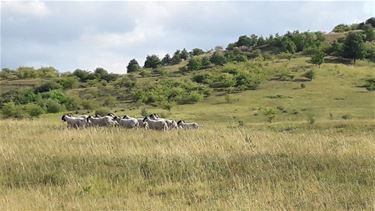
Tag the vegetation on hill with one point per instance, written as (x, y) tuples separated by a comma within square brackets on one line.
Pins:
[(184, 78)]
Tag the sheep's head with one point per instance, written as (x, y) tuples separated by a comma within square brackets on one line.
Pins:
[(179, 122), (146, 118), (110, 114), (63, 118), (126, 117)]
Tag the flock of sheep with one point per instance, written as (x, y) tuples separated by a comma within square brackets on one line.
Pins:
[(152, 121)]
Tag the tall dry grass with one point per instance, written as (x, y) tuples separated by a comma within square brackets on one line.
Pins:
[(44, 165)]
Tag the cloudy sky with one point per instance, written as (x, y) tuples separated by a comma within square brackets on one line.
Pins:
[(70, 34)]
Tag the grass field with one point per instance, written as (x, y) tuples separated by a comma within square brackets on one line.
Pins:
[(44, 165)]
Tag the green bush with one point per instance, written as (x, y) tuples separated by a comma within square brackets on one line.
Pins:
[(223, 80), (9, 109), (48, 86), (89, 104), (33, 110), (54, 107), (309, 74), (102, 111)]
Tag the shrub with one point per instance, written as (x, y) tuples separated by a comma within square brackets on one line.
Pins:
[(190, 98), (311, 118), (346, 116), (194, 64), (109, 101), (89, 104), (33, 110), (144, 112), (223, 80), (370, 84), (54, 107), (102, 111), (48, 86), (309, 74), (270, 114), (303, 86), (9, 109), (218, 58), (69, 82)]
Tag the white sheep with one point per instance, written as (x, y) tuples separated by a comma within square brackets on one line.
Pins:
[(186, 125), (101, 121), (171, 123), (74, 122), (156, 124), (127, 122)]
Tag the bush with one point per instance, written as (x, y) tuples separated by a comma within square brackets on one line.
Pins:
[(48, 86), (102, 111), (194, 64), (223, 80), (270, 114), (69, 82), (311, 118), (346, 116), (309, 74), (218, 58), (144, 112), (370, 84), (33, 110), (9, 109), (89, 104), (54, 107)]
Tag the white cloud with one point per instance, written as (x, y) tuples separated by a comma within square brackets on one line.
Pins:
[(34, 8), (86, 35)]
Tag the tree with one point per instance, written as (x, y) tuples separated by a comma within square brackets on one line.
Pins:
[(176, 59), (353, 46), (166, 60), (184, 54), (197, 52), (133, 66), (152, 61), (218, 58), (318, 57), (371, 21), (100, 73), (288, 45), (194, 64), (341, 28)]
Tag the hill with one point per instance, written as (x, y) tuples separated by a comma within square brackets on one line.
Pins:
[(286, 122)]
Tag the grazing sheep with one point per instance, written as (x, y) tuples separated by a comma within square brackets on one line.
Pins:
[(171, 123), (101, 121), (126, 122), (156, 124), (184, 125), (74, 122)]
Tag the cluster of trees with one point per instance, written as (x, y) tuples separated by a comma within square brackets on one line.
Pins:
[(241, 76), (28, 72), (291, 42), (153, 61), (165, 93), (356, 45), (46, 98), (369, 23)]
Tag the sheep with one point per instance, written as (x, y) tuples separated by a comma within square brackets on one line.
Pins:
[(126, 122), (171, 123), (156, 124), (101, 121), (74, 122), (183, 125)]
